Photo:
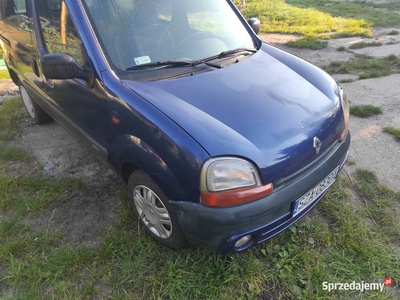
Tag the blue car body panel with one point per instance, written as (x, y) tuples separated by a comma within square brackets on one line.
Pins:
[(258, 108)]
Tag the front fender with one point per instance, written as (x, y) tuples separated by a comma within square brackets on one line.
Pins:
[(128, 149)]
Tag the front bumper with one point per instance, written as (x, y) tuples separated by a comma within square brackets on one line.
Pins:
[(220, 228)]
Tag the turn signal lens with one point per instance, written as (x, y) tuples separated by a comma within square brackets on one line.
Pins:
[(235, 197)]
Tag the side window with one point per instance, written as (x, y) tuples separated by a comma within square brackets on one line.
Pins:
[(59, 32), (14, 13)]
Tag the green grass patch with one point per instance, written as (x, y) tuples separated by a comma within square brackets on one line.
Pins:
[(307, 43), (336, 246), (346, 80), (366, 67), (11, 112), (393, 131), (351, 162), (361, 45), (359, 10), (382, 203), (8, 153), (285, 17), (31, 194), (391, 6), (341, 48), (365, 111), (4, 74), (393, 32)]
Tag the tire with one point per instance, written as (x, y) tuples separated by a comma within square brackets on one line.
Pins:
[(150, 206), (37, 113)]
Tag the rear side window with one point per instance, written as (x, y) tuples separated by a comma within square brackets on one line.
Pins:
[(14, 13), (59, 32)]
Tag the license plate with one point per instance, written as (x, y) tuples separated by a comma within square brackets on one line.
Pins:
[(315, 192)]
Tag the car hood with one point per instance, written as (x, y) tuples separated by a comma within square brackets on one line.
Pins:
[(267, 108)]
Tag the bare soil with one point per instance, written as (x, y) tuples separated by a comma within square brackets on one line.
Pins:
[(88, 212)]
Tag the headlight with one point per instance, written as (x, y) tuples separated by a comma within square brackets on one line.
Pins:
[(230, 173), (228, 181), (346, 114)]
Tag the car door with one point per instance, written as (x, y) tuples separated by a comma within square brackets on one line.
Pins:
[(80, 106), (16, 38)]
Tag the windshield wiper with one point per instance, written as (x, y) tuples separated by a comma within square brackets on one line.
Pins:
[(166, 63), (237, 50), (222, 55), (173, 63), (228, 53), (192, 63)]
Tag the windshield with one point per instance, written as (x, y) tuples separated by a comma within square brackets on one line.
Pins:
[(138, 32)]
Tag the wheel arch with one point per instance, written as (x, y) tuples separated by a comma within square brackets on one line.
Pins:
[(131, 153)]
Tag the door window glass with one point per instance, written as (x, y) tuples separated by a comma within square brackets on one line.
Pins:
[(59, 32), (14, 13)]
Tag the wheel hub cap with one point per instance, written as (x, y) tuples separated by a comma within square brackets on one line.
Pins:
[(152, 212)]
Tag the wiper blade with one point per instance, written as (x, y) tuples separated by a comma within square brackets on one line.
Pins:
[(223, 54), (166, 63), (174, 63), (206, 62), (237, 50), (192, 63)]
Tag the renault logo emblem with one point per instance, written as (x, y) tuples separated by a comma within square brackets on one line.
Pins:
[(317, 144)]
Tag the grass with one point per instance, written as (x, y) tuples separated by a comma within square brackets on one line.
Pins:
[(341, 48), (307, 43), (359, 10), (361, 45), (393, 131), (382, 202), (8, 153), (31, 194), (4, 74), (346, 80), (393, 32), (128, 265), (285, 17), (319, 19), (366, 67), (365, 111), (11, 112)]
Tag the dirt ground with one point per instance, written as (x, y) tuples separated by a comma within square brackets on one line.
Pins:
[(93, 209)]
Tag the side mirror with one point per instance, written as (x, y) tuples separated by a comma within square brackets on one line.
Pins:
[(63, 66), (255, 24)]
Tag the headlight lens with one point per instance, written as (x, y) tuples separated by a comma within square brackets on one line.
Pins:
[(226, 174), (228, 181)]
